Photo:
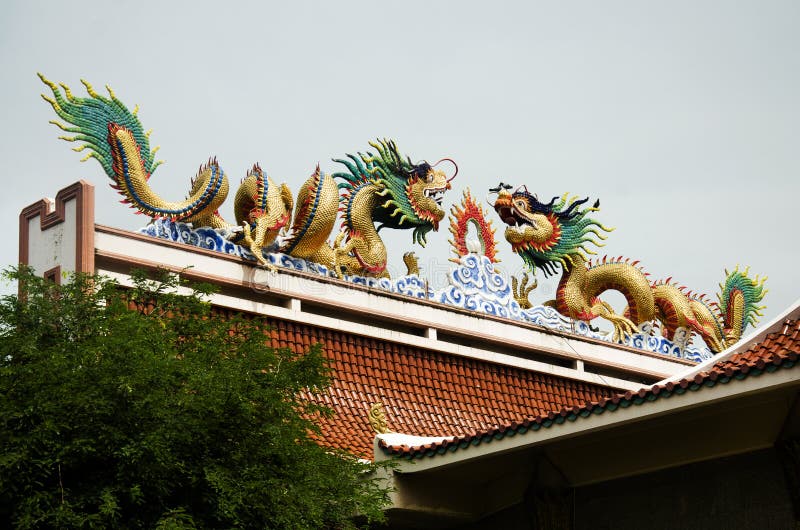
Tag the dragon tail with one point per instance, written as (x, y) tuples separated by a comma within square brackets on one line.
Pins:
[(738, 302), (114, 137), (251, 198)]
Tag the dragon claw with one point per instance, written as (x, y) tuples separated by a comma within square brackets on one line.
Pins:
[(339, 251), (620, 332), (521, 289), (256, 248), (412, 263), (623, 328)]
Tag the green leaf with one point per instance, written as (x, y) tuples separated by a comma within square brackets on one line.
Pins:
[(139, 407)]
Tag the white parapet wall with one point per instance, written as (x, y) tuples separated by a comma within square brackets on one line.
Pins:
[(56, 236)]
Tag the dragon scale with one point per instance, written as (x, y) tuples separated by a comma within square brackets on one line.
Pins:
[(363, 244), (582, 284)]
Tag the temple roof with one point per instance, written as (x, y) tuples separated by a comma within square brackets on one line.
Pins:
[(766, 355), (457, 365)]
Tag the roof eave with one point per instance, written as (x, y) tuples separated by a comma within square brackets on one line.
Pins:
[(600, 420)]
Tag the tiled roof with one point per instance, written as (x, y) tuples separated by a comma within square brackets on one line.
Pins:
[(778, 350), (424, 393)]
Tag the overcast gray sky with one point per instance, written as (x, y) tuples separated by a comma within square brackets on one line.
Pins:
[(681, 116)]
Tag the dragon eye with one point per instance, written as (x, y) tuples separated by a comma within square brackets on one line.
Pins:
[(429, 177)]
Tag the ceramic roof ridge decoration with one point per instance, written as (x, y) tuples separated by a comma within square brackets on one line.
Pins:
[(470, 214), (377, 418), (385, 188), (473, 284), (558, 235)]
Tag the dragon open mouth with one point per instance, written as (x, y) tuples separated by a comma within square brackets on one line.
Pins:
[(437, 194), (507, 215)]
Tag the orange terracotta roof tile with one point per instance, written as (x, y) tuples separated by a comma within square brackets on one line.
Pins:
[(424, 393)]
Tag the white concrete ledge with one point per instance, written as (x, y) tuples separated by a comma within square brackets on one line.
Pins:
[(333, 304)]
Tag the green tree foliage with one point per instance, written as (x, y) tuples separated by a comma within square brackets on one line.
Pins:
[(137, 408)]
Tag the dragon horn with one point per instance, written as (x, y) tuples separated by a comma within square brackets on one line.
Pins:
[(452, 162)]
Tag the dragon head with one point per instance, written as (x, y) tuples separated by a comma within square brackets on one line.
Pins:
[(411, 193), (547, 234)]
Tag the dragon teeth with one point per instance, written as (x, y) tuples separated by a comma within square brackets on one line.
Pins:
[(436, 194)]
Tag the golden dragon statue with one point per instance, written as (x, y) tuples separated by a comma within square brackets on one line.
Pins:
[(384, 188), (557, 234)]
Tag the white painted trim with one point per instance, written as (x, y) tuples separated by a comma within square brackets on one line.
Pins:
[(397, 438)]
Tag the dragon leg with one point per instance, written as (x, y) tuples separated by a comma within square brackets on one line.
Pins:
[(338, 258), (622, 326), (357, 256), (256, 244), (263, 209), (412, 264), (521, 290)]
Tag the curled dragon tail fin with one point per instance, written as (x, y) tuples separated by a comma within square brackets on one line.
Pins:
[(738, 302), (89, 119), (115, 138)]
